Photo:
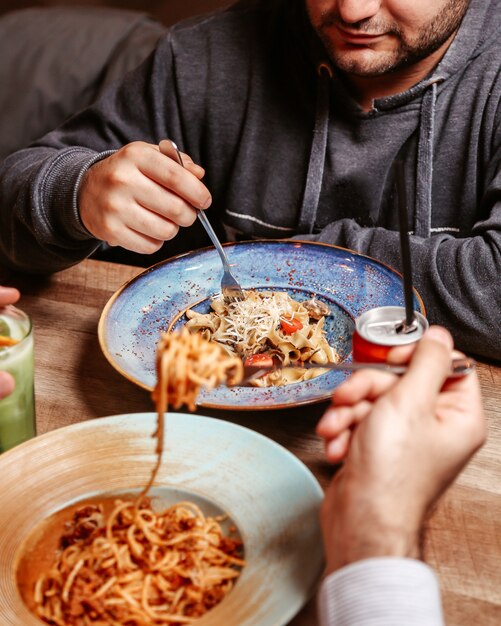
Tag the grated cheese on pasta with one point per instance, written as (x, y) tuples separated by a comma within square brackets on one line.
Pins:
[(257, 325), (252, 320)]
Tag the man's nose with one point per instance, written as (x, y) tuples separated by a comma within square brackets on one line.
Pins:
[(353, 11)]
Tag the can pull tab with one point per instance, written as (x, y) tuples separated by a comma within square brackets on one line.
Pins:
[(402, 328), (390, 328)]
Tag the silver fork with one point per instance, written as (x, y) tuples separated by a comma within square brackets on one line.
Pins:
[(459, 367), (230, 287)]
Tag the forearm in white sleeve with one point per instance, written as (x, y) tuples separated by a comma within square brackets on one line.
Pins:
[(385, 591)]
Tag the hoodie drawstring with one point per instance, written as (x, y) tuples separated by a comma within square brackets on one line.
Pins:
[(424, 168), (424, 173), (316, 165)]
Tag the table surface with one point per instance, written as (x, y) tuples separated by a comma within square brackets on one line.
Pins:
[(74, 382)]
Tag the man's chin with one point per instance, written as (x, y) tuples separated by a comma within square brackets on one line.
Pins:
[(364, 63)]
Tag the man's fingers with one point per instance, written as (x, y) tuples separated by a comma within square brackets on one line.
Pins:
[(337, 449), (364, 384), (154, 204), (403, 354), (337, 427), (193, 167), (137, 242), (428, 368), (8, 295), (166, 147), (177, 179), (7, 384), (337, 419), (368, 384)]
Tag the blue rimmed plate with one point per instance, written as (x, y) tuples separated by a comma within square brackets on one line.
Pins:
[(156, 299)]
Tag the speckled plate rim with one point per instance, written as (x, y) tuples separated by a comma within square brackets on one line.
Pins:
[(270, 494), (204, 402)]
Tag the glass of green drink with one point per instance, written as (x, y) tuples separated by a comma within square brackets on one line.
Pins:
[(17, 410)]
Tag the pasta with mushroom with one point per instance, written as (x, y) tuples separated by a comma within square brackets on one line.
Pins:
[(268, 323)]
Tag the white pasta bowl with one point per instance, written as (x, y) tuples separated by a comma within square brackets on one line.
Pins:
[(269, 494)]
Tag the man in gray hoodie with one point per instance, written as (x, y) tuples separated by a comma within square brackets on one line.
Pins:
[(297, 110)]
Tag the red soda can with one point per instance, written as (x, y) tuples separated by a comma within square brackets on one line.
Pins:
[(378, 330)]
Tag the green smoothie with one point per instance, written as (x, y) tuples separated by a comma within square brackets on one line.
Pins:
[(17, 411)]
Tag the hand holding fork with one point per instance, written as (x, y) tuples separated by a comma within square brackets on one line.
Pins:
[(230, 287)]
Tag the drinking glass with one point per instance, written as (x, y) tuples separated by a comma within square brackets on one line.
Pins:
[(17, 410)]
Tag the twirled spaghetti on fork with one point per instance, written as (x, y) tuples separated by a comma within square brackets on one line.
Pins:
[(136, 566)]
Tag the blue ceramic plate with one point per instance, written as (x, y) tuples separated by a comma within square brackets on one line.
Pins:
[(270, 496), (155, 301)]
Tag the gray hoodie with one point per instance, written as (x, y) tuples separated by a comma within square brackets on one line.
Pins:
[(288, 153)]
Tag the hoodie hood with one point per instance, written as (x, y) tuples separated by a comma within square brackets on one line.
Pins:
[(477, 29), (474, 34)]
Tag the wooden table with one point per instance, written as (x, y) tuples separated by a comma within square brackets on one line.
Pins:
[(74, 382)]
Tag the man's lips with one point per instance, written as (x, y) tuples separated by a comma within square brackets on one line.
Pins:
[(358, 38)]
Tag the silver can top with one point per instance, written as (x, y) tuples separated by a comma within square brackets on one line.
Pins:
[(383, 326)]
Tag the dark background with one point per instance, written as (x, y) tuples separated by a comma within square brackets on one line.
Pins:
[(167, 11)]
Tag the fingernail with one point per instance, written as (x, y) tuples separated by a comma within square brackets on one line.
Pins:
[(440, 334), (334, 448), (329, 415), (6, 384), (207, 203)]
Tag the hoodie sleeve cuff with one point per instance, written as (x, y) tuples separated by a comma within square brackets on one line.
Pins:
[(381, 592), (63, 179)]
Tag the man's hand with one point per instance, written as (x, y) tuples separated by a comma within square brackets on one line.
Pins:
[(403, 442), (8, 295), (7, 384), (138, 198)]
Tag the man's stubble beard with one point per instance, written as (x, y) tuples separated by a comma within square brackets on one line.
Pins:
[(429, 39)]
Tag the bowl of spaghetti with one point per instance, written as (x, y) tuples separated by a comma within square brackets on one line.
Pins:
[(166, 547), (80, 483), (345, 283)]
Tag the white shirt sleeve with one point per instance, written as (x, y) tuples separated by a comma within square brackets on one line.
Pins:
[(387, 591)]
